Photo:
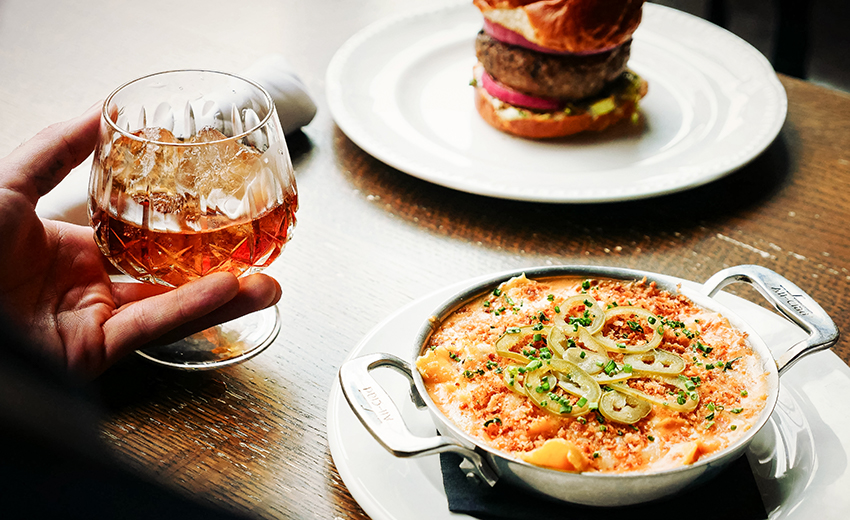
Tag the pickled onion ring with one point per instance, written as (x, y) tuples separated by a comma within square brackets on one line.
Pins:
[(581, 372), (514, 97), (623, 408)]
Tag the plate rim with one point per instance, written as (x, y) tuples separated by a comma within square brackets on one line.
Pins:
[(368, 141)]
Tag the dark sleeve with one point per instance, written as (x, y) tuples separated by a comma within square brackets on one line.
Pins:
[(53, 463)]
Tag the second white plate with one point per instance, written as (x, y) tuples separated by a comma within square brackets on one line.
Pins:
[(399, 90)]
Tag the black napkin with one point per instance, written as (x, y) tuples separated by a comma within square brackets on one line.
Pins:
[(731, 494)]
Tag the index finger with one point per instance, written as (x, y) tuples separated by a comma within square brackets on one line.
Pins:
[(38, 165)]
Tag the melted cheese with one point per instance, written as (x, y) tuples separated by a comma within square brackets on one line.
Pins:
[(466, 380)]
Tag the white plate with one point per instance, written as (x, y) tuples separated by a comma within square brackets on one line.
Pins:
[(800, 457), (400, 90)]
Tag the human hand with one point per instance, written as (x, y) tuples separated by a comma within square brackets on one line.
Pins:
[(55, 284)]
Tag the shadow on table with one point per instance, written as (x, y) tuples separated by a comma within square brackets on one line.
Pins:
[(133, 382), (528, 225), (300, 146)]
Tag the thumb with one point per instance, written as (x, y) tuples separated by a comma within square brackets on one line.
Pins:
[(38, 165)]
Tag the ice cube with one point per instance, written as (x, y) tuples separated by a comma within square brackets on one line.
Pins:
[(211, 177), (221, 170), (140, 167), (147, 173)]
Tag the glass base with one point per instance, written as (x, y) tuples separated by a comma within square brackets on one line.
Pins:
[(220, 346)]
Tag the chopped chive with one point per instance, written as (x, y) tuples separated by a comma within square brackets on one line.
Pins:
[(744, 393), (634, 326), (585, 285), (729, 364), (651, 438), (550, 297), (557, 309), (733, 427), (534, 365), (702, 348), (581, 402)]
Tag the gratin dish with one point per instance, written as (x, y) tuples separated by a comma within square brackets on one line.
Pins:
[(379, 415)]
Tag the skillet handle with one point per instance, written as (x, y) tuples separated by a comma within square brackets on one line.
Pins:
[(790, 301), (373, 406)]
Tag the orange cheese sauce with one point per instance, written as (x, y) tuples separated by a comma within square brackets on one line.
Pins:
[(465, 378)]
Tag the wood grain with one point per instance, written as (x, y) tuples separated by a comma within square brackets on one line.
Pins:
[(370, 239)]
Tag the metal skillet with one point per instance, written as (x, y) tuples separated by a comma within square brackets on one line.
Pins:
[(380, 416)]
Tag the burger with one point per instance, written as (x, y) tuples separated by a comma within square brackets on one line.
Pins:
[(551, 68)]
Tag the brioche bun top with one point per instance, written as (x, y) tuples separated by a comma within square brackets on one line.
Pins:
[(578, 26)]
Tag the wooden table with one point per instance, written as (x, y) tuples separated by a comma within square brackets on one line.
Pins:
[(371, 239)]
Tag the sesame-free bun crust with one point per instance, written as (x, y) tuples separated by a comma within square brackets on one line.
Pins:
[(578, 26), (548, 125)]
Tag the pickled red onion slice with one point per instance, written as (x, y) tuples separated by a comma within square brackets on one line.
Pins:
[(514, 97), (505, 35)]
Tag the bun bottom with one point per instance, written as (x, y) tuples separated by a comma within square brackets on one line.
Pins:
[(547, 125)]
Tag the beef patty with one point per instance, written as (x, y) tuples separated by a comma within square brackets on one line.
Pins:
[(569, 77)]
